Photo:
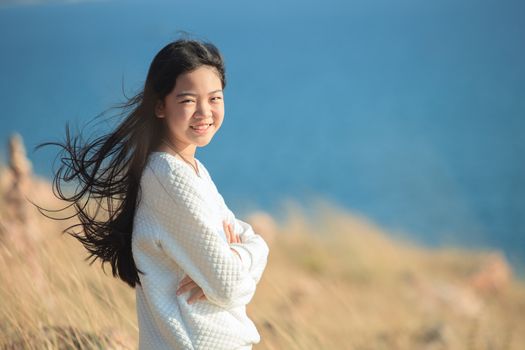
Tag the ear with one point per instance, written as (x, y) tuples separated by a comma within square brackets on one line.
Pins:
[(159, 109)]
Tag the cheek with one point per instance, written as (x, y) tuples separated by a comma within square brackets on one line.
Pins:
[(175, 122), (219, 113), (218, 120), (177, 126), (179, 116)]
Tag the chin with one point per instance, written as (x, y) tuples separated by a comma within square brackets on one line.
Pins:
[(205, 140), (202, 143)]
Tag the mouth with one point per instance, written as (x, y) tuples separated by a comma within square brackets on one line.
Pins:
[(201, 128)]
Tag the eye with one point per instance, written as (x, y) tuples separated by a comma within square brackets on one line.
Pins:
[(187, 101), (216, 98)]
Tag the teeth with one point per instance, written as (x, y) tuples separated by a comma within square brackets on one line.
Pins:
[(201, 127)]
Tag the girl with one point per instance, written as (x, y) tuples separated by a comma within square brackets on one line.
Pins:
[(168, 232)]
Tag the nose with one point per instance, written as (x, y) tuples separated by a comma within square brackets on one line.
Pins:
[(203, 110)]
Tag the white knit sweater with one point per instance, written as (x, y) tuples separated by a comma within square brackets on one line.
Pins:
[(178, 230)]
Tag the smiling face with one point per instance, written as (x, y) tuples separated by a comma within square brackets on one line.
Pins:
[(193, 110)]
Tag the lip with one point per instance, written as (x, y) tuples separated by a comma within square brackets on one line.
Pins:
[(201, 124), (203, 131)]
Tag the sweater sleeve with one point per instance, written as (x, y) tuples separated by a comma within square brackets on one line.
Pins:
[(187, 236), (252, 249)]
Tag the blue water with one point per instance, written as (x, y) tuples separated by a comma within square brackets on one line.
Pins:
[(409, 112)]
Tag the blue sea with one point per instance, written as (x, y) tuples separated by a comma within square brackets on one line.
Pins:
[(409, 112)]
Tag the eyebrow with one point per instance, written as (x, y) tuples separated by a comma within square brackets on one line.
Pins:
[(188, 93)]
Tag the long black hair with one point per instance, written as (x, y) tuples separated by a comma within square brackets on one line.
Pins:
[(107, 170)]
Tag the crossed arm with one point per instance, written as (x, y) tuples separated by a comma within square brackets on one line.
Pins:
[(192, 242), (187, 284)]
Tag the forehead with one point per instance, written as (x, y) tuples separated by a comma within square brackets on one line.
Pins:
[(203, 78)]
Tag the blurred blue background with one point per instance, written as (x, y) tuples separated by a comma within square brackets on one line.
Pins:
[(409, 112)]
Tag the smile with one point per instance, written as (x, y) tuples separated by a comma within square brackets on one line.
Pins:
[(201, 128)]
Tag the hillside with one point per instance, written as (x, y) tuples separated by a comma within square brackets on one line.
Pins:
[(333, 281)]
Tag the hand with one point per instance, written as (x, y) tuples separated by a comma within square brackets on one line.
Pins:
[(231, 236), (187, 284)]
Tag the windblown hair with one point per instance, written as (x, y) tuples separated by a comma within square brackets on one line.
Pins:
[(106, 171)]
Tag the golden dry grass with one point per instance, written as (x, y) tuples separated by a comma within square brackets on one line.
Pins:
[(336, 281), (333, 281)]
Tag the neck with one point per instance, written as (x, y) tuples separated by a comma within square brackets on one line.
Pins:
[(187, 151)]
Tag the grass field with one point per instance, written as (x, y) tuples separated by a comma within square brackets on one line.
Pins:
[(333, 281)]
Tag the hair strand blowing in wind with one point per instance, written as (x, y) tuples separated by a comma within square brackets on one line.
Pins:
[(107, 170)]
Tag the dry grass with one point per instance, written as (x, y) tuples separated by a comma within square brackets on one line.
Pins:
[(53, 299), (334, 281)]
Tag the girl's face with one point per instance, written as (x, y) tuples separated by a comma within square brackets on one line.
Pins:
[(194, 109)]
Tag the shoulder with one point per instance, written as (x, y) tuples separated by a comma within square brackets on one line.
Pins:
[(165, 168), (163, 176), (166, 173), (158, 161)]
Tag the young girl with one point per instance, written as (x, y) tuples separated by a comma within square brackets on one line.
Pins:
[(168, 231)]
